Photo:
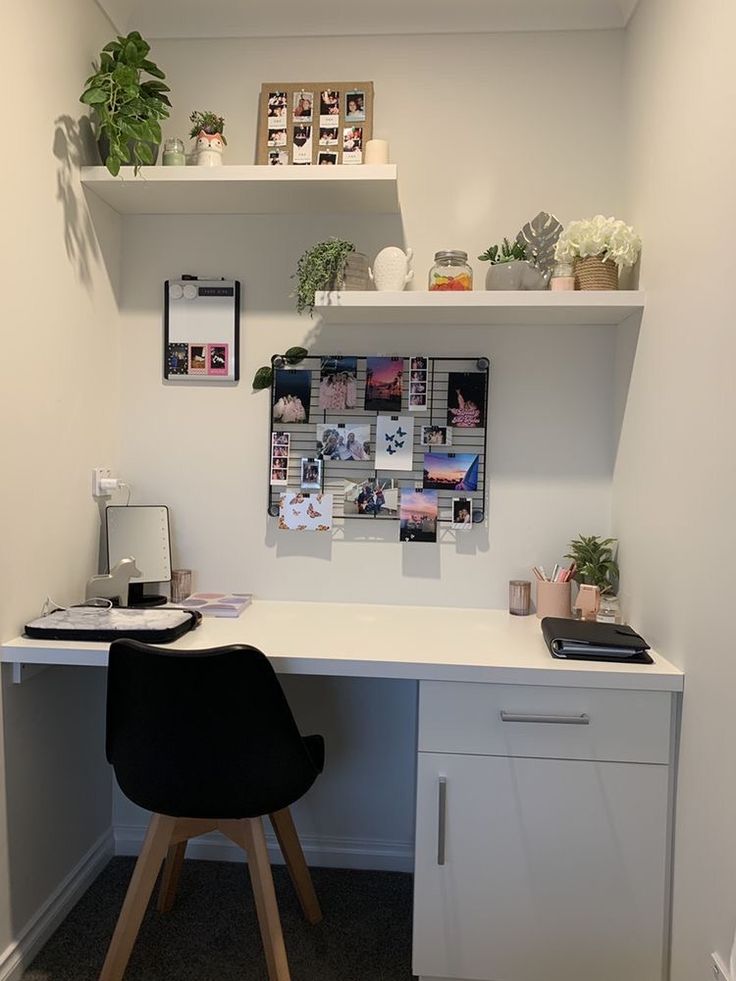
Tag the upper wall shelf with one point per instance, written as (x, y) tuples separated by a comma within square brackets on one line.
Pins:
[(248, 190), (593, 308)]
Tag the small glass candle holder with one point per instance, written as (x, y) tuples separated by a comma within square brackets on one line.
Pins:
[(181, 585), (520, 597), (174, 155)]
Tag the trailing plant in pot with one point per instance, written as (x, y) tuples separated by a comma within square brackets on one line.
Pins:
[(321, 267), (594, 562), (207, 130), (599, 248), (127, 107)]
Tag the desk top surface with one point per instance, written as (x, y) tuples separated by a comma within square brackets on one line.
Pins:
[(370, 641)]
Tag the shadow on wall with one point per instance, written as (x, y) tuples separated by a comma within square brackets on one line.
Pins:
[(74, 146)]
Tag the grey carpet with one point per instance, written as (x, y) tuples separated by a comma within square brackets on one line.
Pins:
[(211, 934)]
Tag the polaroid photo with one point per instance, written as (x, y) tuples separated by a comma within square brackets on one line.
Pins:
[(462, 513), (394, 443), (352, 145), (278, 158), (277, 137), (371, 498), (451, 471), (217, 359), (197, 359), (302, 145), (305, 512), (436, 436), (177, 359), (302, 106), (418, 513), (355, 107), (344, 441), (323, 157), (466, 399), (292, 393), (338, 386), (277, 102), (418, 393), (384, 380), (328, 135), (310, 474), (329, 107), (280, 445)]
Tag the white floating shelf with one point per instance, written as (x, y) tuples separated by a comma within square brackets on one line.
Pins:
[(594, 308), (248, 190)]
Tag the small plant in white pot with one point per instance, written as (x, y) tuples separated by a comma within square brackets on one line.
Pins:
[(509, 269), (207, 130), (598, 248)]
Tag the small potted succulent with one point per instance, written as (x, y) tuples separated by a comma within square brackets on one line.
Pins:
[(330, 265), (510, 268), (598, 248), (207, 130), (128, 107)]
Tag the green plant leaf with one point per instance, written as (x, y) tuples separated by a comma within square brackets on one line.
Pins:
[(113, 165), (296, 354), (262, 378), (144, 153), (93, 97), (152, 69), (113, 46)]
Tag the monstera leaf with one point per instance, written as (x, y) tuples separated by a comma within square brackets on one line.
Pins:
[(540, 238)]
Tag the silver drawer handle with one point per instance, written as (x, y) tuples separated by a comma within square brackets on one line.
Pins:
[(441, 820), (558, 720)]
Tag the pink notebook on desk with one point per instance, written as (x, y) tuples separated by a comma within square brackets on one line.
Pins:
[(217, 604)]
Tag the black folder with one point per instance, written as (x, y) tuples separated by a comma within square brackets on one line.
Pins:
[(585, 640)]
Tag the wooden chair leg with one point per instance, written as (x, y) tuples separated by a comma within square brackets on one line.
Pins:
[(291, 849), (155, 845), (170, 876), (248, 833)]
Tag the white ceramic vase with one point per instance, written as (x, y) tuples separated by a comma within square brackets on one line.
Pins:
[(208, 151), (391, 269)]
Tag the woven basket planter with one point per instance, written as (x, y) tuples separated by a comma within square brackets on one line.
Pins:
[(594, 273)]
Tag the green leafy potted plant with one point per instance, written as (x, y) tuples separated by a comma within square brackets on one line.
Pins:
[(510, 268), (324, 266), (207, 130), (594, 562), (263, 377), (128, 107)]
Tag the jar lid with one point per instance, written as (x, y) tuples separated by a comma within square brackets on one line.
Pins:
[(451, 254)]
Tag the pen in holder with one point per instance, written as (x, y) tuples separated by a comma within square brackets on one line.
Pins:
[(553, 599)]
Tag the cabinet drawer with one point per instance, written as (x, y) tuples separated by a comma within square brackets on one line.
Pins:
[(560, 723)]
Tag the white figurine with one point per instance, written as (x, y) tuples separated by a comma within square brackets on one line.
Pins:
[(209, 149), (115, 584), (391, 269)]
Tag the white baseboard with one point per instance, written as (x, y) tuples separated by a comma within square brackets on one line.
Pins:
[(17, 956), (336, 853)]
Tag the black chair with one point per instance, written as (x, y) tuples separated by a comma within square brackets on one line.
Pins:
[(206, 740)]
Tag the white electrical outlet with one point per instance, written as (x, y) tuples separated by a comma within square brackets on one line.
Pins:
[(98, 475), (719, 971)]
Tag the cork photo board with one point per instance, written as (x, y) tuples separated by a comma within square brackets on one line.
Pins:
[(314, 123)]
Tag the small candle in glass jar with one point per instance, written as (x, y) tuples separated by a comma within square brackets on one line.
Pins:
[(174, 155)]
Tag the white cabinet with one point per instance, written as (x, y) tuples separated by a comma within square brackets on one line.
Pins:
[(534, 868)]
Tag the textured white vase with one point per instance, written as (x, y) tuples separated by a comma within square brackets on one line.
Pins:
[(209, 150), (391, 269)]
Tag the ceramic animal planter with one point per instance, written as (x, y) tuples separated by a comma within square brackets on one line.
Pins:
[(516, 275), (209, 149), (391, 269)]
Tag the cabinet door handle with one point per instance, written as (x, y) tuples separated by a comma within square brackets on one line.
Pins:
[(559, 720), (441, 819)]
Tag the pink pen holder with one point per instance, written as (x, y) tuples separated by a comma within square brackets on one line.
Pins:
[(553, 599)]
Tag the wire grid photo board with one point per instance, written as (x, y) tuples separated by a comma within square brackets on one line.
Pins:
[(305, 446)]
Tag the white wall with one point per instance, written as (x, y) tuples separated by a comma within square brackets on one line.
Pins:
[(675, 478), (59, 392), (480, 149)]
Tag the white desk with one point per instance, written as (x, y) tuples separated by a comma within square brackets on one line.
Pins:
[(366, 641), (538, 780)]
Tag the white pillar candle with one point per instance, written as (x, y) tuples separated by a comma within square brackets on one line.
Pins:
[(376, 152)]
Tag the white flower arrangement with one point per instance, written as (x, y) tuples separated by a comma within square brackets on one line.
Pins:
[(607, 238)]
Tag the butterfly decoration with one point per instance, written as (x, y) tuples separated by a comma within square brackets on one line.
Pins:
[(313, 513), (390, 449), (400, 432)]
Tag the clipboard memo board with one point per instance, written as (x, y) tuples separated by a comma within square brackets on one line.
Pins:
[(202, 330), (305, 123)]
